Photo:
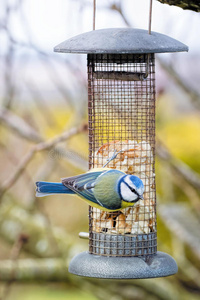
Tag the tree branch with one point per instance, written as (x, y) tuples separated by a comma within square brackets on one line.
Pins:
[(183, 224), (50, 269), (55, 269), (179, 166), (37, 148), (18, 125), (16, 221), (193, 95), (15, 252), (184, 4)]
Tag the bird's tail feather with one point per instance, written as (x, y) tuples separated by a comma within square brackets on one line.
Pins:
[(51, 188)]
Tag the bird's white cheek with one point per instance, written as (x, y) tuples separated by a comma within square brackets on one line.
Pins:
[(126, 193), (141, 190)]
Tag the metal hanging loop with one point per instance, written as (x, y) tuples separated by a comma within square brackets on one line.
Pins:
[(148, 55), (94, 14), (150, 15), (141, 76)]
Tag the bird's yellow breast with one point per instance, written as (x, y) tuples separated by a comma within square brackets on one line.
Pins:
[(126, 204), (98, 206)]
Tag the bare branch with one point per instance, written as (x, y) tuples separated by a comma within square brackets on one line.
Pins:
[(118, 8), (37, 148), (184, 4), (15, 251), (193, 95), (19, 170), (15, 220), (190, 192), (60, 138), (187, 268), (55, 269), (19, 125), (34, 269), (183, 223), (179, 166)]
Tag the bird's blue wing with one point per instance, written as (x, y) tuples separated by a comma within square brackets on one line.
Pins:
[(83, 184)]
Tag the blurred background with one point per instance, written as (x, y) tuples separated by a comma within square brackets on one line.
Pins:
[(43, 111)]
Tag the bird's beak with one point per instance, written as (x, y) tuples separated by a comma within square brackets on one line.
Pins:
[(141, 197)]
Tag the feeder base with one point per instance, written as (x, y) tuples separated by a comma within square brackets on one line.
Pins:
[(90, 265)]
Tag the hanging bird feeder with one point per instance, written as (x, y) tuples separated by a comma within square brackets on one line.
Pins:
[(121, 111)]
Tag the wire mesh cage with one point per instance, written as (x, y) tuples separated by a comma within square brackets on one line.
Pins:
[(121, 109)]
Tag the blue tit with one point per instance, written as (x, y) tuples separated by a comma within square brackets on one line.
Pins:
[(104, 188)]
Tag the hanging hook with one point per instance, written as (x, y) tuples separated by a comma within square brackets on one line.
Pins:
[(94, 13), (141, 76), (148, 55), (150, 15)]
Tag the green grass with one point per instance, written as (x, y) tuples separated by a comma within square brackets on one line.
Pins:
[(47, 292)]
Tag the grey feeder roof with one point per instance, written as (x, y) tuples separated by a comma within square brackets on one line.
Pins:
[(120, 40)]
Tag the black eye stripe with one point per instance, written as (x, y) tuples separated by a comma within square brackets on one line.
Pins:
[(132, 189)]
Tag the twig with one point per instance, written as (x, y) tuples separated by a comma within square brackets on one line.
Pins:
[(43, 171), (53, 242), (118, 9), (188, 269), (34, 269), (179, 166), (11, 156), (9, 85), (25, 131), (34, 224), (55, 77), (37, 148), (55, 269), (184, 4), (183, 224), (19, 170), (9, 61), (17, 124), (15, 252), (60, 138), (189, 191), (193, 95)]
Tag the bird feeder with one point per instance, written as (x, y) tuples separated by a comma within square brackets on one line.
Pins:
[(121, 117)]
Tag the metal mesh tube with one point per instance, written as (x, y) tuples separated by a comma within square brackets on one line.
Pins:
[(121, 108)]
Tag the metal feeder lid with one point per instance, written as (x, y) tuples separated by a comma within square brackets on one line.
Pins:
[(120, 40)]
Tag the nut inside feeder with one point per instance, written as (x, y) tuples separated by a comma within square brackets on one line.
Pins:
[(121, 110)]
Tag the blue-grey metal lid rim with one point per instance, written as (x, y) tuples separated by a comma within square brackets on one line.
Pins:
[(120, 40), (109, 267)]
